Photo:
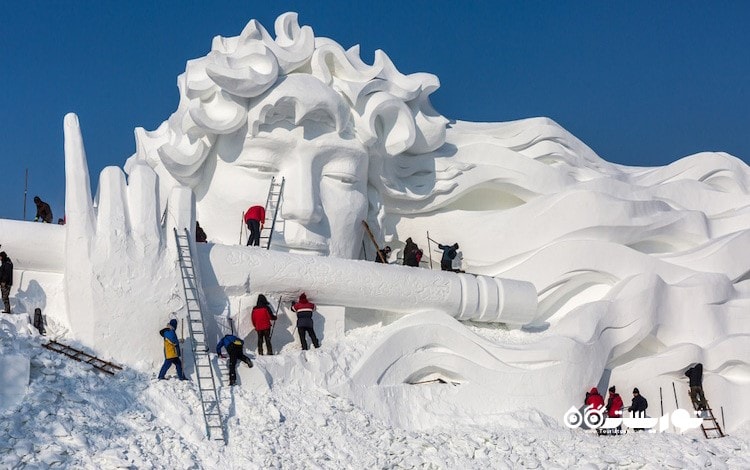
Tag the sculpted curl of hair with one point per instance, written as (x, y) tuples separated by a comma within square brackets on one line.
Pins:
[(390, 113)]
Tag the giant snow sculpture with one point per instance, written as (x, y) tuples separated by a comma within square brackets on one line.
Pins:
[(639, 271)]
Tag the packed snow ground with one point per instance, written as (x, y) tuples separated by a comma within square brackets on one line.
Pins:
[(76, 417)]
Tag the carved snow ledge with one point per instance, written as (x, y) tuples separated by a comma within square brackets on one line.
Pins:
[(365, 284)]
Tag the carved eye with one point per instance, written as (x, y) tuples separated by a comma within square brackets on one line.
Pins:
[(343, 178), (261, 167)]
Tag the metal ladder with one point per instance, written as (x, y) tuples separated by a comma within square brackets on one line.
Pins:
[(80, 356), (203, 368), (709, 425), (273, 201)]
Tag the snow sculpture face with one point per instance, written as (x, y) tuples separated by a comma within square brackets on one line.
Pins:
[(325, 172), (342, 133)]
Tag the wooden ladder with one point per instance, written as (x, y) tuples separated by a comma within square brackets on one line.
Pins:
[(80, 356), (710, 427), (203, 368), (273, 201)]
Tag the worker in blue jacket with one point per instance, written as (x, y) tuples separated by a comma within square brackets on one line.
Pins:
[(171, 350), (234, 348)]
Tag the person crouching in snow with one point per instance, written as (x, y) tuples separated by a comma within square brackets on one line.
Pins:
[(304, 311), (262, 315), (171, 350), (614, 407), (234, 349)]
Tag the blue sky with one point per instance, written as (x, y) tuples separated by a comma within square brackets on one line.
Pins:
[(642, 83)]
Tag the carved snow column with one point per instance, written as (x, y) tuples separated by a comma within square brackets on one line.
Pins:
[(364, 284)]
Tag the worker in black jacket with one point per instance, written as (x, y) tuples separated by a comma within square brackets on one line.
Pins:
[(695, 374), (43, 211), (638, 406), (6, 279)]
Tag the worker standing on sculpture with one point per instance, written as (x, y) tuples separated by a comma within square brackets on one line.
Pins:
[(262, 315), (382, 255), (171, 350), (449, 253), (200, 234), (304, 310), (6, 279), (412, 253), (254, 218), (43, 211)]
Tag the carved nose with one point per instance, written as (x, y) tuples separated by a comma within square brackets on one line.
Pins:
[(301, 201)]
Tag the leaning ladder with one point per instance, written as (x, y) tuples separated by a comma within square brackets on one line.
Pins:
[(709, 425), (80, 356), (273, 201), (203, 368)]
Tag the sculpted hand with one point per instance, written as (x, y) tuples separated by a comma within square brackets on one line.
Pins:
[(119, 272)]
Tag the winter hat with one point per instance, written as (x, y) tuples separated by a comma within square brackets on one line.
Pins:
[(594, 391), (173, 323), (635, 390), (262, 301), (302, 298), (612, 389)]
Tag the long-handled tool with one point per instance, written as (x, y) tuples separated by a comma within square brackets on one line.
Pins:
[(661, 402), (372, 238), (242, 226), (273, 324)]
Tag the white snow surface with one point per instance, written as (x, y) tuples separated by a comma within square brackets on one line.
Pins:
[(585, 273), (76, 417)]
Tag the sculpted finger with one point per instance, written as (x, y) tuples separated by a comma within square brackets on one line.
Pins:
[(180, 212), (143, 207), (79, 211), (111, 220)]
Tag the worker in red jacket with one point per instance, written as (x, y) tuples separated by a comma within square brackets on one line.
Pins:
[(304, 310), (262, 316), (254, 218), (594, 400), (614, 407)]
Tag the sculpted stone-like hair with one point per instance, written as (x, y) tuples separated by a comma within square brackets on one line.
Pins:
[(390, 113)]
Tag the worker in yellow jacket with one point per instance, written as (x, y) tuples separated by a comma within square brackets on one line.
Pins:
[(171, 350)]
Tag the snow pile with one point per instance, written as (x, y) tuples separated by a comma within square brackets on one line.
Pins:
[(76, 417)]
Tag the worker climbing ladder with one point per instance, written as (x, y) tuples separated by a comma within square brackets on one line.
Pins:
[(709, 425), (203, 367), (273, 201), (80, 356)]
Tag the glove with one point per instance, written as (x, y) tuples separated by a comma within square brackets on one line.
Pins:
[(36, 219), (223, 356)]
